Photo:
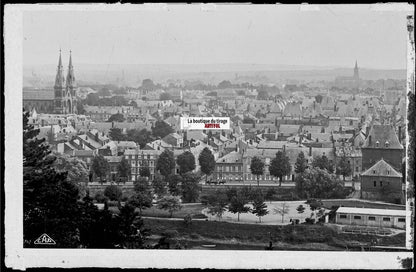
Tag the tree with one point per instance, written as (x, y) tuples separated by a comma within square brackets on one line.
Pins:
[(207, 162), (238, 204), (280, 166), (190, 187), (142, 197), (301, 165), (116, 134), (343, 167), (318, 98), (217, 204), (186, 162), (124, 168), (50, 201), (174, 181), (300, 209), (314, 205), (231, 192), (169, 203), (130, 226), (80, 108), (224, 84), (161, 129), (165, 96), (322, 162), (159, 185), (284, 209), (263, 95), (76, 171), (133, 104), (118, 117), (257, 168), (165, 163), (318, 183), (259, 207), (144, 171), (92, 99), (147, 84), (270, 193), (141, 137), (100, 167), (113, 192)]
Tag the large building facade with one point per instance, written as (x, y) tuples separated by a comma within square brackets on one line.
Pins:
[(61, 100)]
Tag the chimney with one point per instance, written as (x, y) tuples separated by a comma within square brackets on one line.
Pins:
[(112, 124), (369, 140), (309, 136), (284, 148), (367, 130), (310, 151)]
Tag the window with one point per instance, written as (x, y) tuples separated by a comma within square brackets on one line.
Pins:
[(401, 220), (343, 216), (381, 183), (375, 183), (386, 219), (356, 169), (357, 217), (371, 218)]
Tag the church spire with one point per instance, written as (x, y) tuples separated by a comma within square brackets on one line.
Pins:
[(356, 75), (70, 78), (59, 80)]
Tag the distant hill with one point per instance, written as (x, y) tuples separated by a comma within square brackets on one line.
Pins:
[(208, 73)]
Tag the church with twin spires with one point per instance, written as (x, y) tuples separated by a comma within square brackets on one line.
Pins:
[(63, 98)]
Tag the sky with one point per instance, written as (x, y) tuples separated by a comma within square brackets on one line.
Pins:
[(334, 36)]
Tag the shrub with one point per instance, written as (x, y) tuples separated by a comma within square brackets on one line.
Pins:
[(113, 192), (100, 197), (199, 216), (309, 221)]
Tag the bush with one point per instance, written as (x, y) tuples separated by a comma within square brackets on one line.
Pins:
[(113, 192), (100, 197), (309, 221), (204, 200)]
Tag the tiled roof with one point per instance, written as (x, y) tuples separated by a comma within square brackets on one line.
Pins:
[(382, 134), (382, 168), (231, 157), (83, 153)]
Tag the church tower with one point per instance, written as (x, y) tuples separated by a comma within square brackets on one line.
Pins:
[(65, 99), (356, 76), (71, 88), (59, 91)]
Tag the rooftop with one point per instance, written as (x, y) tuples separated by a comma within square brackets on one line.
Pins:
[(382, 168), (386, 212)]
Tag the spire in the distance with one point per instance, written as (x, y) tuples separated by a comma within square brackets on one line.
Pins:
[(356, 75), (59, 80)]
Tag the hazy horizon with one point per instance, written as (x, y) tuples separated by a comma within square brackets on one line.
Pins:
[(251, 35)]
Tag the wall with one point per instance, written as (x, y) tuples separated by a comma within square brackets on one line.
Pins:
[(364, 221)]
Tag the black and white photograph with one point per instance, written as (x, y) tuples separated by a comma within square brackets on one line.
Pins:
[(209, 136)]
